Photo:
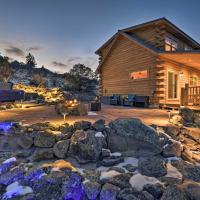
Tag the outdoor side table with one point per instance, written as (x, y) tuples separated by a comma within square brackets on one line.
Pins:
[(95, 106)]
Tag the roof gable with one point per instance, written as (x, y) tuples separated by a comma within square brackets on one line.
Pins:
[(157, 21), (132, 39)]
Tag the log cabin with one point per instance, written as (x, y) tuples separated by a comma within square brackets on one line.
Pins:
[(155, 59)]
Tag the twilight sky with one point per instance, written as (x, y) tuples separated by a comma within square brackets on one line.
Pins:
[(60, 33)]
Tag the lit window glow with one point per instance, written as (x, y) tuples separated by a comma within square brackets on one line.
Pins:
[(139, 75)]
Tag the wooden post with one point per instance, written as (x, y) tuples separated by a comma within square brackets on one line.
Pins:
[(186, 94), (182, 97)]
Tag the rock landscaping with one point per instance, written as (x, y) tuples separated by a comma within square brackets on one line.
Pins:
[(122, 160), (186, 117)]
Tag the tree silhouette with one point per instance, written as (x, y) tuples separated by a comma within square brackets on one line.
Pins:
[(30, 60), (80, 78), (5, 70)]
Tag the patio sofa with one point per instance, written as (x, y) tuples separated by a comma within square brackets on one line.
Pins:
[(141, 101), (115, 99)]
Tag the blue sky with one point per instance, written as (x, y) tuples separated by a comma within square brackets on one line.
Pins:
[(60, 33)]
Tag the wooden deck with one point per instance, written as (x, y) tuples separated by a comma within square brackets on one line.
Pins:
[(190, 96), (47, 113)]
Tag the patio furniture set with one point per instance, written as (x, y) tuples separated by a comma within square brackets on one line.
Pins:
[(129, 100)]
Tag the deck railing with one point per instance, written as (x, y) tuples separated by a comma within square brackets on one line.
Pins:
[(190, 95)]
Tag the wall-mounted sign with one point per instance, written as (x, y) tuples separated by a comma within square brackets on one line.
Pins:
[(139, 75)]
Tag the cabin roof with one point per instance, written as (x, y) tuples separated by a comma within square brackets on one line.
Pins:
[(146, 24), (188, 58)]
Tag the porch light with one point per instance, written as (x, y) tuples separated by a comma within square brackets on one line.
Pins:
[(181, 74)]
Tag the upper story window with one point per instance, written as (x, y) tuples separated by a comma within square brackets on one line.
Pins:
[(187, 48), (170, 44)]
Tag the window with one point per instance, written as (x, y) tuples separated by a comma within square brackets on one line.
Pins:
[(187, 48), (170, 44), (172, 85), (193, 80), (139, 75)]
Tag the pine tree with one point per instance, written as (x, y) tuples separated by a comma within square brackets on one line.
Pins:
[(30, 60)]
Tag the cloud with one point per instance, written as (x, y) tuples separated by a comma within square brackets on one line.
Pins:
[(14, 51), (34, 48), (90, 61), (59, 64), (69, 62), (72, 59)]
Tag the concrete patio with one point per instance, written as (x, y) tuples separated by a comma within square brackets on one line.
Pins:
[(47, 114)]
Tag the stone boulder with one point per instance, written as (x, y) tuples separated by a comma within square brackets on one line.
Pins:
[(60, 149), (82, 125), (44, 139), (65, 128), (105, 153), (42, 153), (121, 180), (132, 135), (107, 162), (85, 146), (155, 190), (172, 131), (197, 120), (99, 125), (92, 189), (72, 187), (13, 175), (174, 192), (152, 166), (127, 194), (130, 167), (109, 191), (132, 194), (188, 116), (188, 170), (7, 165), (45, 186), (192, 189), (63, 136), (25, 141), (173, 148)]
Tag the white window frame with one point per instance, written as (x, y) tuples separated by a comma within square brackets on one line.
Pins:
[(178, 91), (193, 76), (172, 43)]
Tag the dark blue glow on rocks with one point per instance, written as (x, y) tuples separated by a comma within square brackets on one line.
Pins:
[(72, 188), (13, 175), (4, 167), (34, 175), (5, 126)]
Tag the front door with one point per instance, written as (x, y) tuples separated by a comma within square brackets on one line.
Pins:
[(172, 85)]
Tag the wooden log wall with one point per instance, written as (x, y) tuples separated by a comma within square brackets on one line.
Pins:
[(125, 58)]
